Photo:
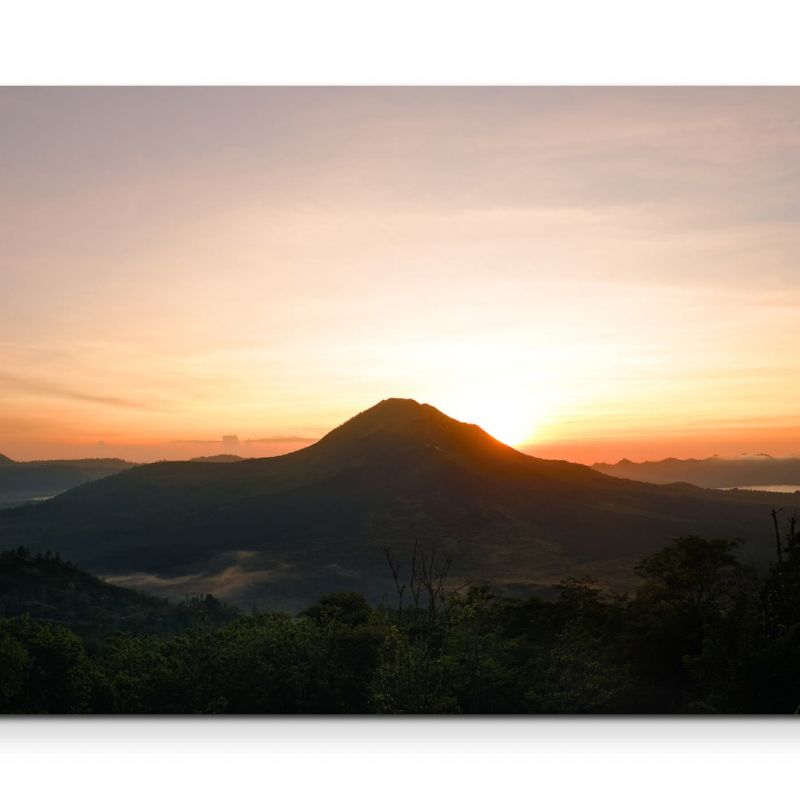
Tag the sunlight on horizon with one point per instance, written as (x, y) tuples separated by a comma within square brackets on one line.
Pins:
[(512, 420)]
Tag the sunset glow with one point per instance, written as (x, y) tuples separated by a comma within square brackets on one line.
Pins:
[(587, 274)]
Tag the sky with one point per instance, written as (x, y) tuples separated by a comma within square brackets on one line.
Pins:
[(588, 274)]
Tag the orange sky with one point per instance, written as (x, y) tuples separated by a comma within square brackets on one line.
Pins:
[(591, 273)]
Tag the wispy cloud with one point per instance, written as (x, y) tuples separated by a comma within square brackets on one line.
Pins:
[(281, 440), (262, 440), (45, 389)]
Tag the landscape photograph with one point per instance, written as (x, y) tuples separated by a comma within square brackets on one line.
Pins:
[(399, 400)]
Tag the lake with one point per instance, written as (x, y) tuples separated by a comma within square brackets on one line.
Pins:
[(779, 487)]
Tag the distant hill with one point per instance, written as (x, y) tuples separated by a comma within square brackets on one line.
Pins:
[(26, 481), (222, 458), (711, 473), (281, 531)]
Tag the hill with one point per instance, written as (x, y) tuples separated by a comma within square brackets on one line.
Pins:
[(51, 590), (711, 473), (29, 481), (281, 531)]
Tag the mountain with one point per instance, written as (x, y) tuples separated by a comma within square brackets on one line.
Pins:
[(27, 481), (711, 473), (281, 531)]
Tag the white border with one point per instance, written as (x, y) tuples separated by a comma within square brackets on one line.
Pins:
[(399, 42), (384, 759)]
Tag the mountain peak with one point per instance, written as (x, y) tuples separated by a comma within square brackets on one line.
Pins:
[(394, 413), (396, 402), (5, 459), (395, 407), (403, 422), (402, 409)]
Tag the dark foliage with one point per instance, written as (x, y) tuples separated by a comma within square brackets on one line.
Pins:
[(50, 590), (702, 634)]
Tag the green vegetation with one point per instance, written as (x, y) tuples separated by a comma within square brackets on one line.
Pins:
[(703, 633), (47, 589)]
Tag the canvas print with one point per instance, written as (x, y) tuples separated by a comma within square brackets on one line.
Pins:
[(402, 400)]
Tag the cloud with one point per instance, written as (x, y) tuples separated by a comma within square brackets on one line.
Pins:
[(262, 440), (281, 440), (45, 389)]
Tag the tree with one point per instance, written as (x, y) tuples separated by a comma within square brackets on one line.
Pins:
[(696, 577), (692, 591), (47, 666), (353, 636)]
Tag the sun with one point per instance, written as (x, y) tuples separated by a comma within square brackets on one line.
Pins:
[(513, 423), (510, 429)]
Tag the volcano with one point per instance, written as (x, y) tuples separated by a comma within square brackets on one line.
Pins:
[(280, 531)]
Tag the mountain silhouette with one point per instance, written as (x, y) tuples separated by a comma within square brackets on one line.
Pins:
[(713, 473), (22, 481), (284, 529)]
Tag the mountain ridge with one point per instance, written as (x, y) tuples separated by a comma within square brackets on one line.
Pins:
[(25, 481), (283, 529), (714, 472)]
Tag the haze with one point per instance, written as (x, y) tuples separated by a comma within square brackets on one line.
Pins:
[(586, 273)]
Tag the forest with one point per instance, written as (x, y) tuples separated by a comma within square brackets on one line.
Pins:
[(703, 633)]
